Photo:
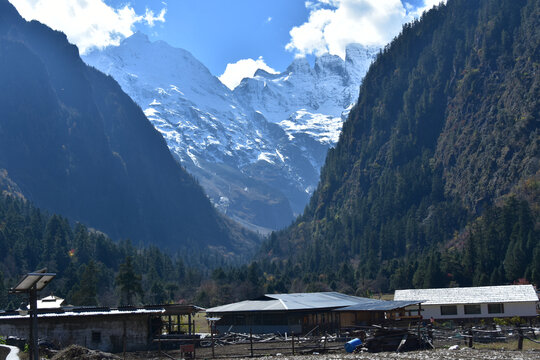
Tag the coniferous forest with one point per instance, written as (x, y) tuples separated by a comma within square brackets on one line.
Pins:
[(435, 179), (435, 182)]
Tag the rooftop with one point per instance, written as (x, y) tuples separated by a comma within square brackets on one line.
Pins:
[(310, 301), (470, 295)]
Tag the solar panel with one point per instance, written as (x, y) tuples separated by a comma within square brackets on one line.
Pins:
[(38, 279)]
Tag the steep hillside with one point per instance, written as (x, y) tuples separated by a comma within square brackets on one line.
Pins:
[(446, 126), (73, 143)]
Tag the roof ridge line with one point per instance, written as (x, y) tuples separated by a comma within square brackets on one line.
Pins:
[(282, 303)]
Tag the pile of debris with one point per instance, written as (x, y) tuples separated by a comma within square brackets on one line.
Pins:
[(82, 353), (395, 339)]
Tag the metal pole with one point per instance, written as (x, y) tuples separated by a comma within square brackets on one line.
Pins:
[(34, 328), (212, 337), (124, 335)]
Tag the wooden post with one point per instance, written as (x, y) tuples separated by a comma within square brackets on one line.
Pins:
[(520, 338), (159, 346), (292, 340), (251, 341), (470, 333), (189, 324)]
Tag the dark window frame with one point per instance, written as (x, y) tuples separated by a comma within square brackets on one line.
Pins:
[(496, 308), (472, 309), (447, 310)]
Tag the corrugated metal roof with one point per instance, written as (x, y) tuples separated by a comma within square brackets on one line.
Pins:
[(88, 313), (304, 301), (319, 300), (378, 305), (470, 295)]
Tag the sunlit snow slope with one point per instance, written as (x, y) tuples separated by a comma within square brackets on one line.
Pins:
[(256, 150)]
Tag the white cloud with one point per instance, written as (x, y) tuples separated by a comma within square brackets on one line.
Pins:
[(333, 24), (151, 19), (234, 73), (87, 23)]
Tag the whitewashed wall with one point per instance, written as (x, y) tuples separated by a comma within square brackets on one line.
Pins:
[(78, 330), (523, 309)]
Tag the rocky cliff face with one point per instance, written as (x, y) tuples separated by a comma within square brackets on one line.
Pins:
[(256, 150)]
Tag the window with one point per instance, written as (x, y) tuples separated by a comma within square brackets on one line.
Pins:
[(448, 310), (473, 309), (495, 308), (96, 336)]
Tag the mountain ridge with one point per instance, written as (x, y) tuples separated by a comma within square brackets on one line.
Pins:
[(74, 143), (257, 169), (446, 127)]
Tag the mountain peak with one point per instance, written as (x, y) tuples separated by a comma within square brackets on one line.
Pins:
[(299, 65), (137, 39)]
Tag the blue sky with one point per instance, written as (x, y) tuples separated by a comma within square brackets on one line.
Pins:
[(244, 34), (219, 32)]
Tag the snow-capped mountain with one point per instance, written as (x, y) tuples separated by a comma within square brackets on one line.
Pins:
[(256, 150)]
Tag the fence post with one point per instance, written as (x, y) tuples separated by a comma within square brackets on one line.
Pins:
[(520, 337), (292, 340), (251, 341), (470, 333)]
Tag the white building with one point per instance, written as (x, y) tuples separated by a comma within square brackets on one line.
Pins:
[(473, 302), (50, 302)]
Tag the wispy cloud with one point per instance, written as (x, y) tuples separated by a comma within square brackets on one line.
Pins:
[(87, 23), (333, 24), (234, 73)]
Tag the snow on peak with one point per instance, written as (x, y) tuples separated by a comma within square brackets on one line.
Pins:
[(273, 129)]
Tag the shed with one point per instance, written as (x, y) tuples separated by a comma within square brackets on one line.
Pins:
[(300, 313), (373, 311), (474, 302), (101, 328)]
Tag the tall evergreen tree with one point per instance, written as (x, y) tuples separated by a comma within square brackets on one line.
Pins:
[(129, 282), (86, 291)]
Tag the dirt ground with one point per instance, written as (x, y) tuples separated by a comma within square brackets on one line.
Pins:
[(439, 354), (232, 352)]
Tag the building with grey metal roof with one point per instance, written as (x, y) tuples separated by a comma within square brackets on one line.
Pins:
[(302, 312), (474, 302), (106, 329)]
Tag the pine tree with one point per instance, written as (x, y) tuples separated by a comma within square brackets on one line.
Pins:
[(129, 282), (86, 291)]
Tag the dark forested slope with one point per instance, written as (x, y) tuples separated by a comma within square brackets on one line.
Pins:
[(445, 129), (73, 143), (90, 268)]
